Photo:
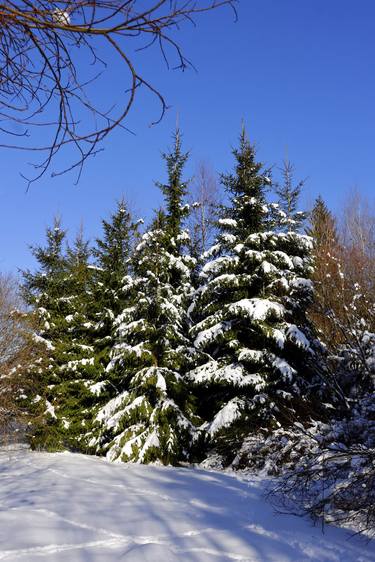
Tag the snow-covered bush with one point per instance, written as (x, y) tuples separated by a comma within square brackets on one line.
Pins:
[(332, 476), (326, 470)]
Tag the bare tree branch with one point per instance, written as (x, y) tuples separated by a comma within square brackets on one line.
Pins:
[(44, 83)]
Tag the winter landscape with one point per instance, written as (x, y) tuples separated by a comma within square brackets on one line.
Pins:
[(75, 507), (192, 379)]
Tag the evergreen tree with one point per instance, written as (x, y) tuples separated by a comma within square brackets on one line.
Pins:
[(151, 417), (45, 291), (175, 191), (342, 311), (76, 366), (60, 293), (113, 253), (250, 313), (322, 228), (288, 196), (329, 287), (48, 283)]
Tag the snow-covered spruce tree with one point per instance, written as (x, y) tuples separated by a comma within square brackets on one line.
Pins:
[(250, 314), (60, 293), (112, 266), (45, 291), (151, 418), (112, 253), (77, 368)]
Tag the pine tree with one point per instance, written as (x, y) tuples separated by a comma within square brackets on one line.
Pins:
[(151, 418), (330, 293), (174, 192), (322, 226), (249, 313), (60, 291), (288, 196), (45, 291), (76, 364), (113, 253), (113, 265)]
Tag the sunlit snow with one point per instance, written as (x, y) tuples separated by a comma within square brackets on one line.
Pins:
[(67, 507)]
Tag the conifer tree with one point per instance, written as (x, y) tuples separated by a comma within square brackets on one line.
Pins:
[(76, 364), (249, 313), (342, 311), (151, 418), (322, 226), (288, 196), (112, 253), (60, 293), (113, 257), (45, 291), (174, 192), (47, 284), (327, 276)]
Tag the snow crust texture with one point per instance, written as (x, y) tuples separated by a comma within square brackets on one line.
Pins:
[(68, 507)]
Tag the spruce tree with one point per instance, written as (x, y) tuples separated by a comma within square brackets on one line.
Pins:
[(288, 194), (60, 292), (45, 291), (113, 252), (250, 313), (113, 257), (343, 312), (76, 364), (151, 418), (322, 227), (46, 284), (330, 292), (111, 268), (175, 192)]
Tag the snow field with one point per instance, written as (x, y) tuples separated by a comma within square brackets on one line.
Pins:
[(70, 507)]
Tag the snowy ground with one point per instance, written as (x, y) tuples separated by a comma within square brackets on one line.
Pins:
[(75, 508)]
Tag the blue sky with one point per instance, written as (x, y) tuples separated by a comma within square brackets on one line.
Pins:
[(299, 72)]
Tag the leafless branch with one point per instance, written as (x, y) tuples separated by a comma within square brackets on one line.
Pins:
[(46, 49)]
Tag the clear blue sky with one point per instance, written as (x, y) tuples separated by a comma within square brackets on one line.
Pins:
[(301, 73)]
